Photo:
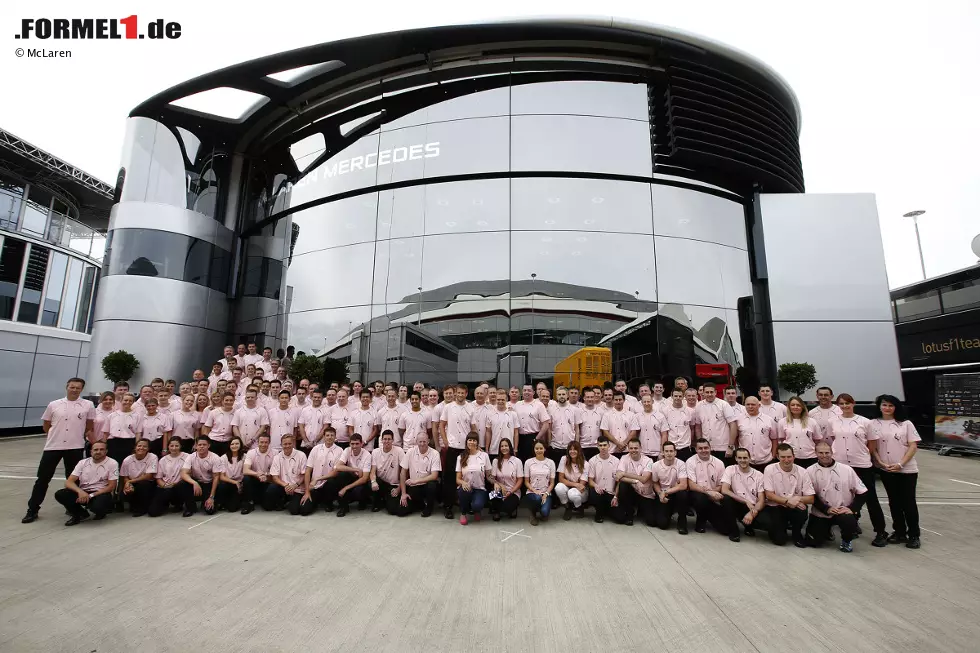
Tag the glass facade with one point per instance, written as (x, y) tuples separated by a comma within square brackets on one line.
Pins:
[(566, 241), (153, 253)]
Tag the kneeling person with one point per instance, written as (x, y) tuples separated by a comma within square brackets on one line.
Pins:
[(789, 491), (353, 474), (199, 478), (321, 466), (704, 472), (168, 492), (90, 486), (386, 464), (255, 473), (670, 484), (744, 497), (138, 472), (419, 484), (838, 495), (288, 473), (634, 487)]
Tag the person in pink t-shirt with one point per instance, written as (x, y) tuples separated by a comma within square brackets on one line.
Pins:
[(90, 486), (353, 475), (386, 464), (704, 472), (898, 442), (256, 477), (539, 478), (634, 484), (288, 486), (745, 496), (573, 480), (168, 491), (839, 494), (856, 445), (508, 478), (321, 467), (472, 474), (199, 478), (138, 473), (231, 482), (419, 480), (788, 493), (602, 478), (670, 485), (102, 411), (757, 433)]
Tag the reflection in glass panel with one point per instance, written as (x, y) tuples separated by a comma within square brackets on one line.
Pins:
[(494, 102), (687, 213), (262, 278), (582, 97), (71, 294), (330, 329), (581, 204), (336, 223), (962, 295), (152, 253), (915, 307), (30, 297), (462, 264), (582, 265), (11, 262), (397, 270), (583, 144), (467, 206), (56, 284), (11, 196), (721, 277), (332, 277), (35, 218), (401, 212), (85, 298), (354, 167)]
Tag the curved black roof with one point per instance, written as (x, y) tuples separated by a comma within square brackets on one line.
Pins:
[(717, 115)]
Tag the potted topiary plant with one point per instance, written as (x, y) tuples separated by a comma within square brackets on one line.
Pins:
[(119, 366), (797, 377)]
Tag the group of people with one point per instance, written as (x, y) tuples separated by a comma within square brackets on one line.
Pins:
[(248, 436)]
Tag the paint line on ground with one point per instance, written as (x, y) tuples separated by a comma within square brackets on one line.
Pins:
[(204, 522), (510, 535), (19, 478), (956, 480), (945, 503)]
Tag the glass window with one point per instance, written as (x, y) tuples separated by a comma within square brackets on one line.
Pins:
[(56, 284), (918, 306), (494, 102), (11, 262), (397, 270), (581, 97), (467, 206), (35, 218), (71, 294), (85, 301), (330, 278), (152, 253), (356, 166), (401, 212), (11, 196), (343, 222), (581, 204), (30, 297), (263, 277), (688, 213), (693, 272), (583, 265), (464, 264), (331, 329), (581, 144), (960, 296)]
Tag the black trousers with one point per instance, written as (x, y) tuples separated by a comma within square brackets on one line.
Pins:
[(276, 499), (156, 447), (806, 462), (380, 498), (219, 448), (867, 476), (589, 452), (632, 503), (734, 511), (760, 467), (683, 453), (449, 477), (119, 448), (525, 450), (818, 528), (602, 502), (100, 505), (676, 502), (420, 497), (361, 493), (720, 455), (554, 455), (901, 501), (228, 496), (508, 506), (190, 501), (253, 490), (164, 498), (141, 497), (775, 518), (46, 468), (186, 445), (708, 511)]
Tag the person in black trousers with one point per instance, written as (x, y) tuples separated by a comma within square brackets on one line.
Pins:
[(898, 442), (138, 476), (90, 487)]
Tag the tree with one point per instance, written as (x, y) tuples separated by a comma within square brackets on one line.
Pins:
[(119, 366), (306, 367), (334, 371), (797, 377)]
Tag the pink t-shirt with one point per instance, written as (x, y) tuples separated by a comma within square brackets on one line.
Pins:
[(747, 485), (502, 424), (510, 470), (249, 421), (539, 473), (340, 421), (124, 426), (894, 439), (573, 473), (388, 421), (93, 476), (851, 435), (652, 425), (290, 469), (775, 410), (203, 469), (133, 468), (836, 485), (68, 423), (99, 430), (476, 469), (757, 434), (706, 473), (620, 424), (364, 422), (591, 427), (259, 462), (185, 423), (602, 472), (823, 415), (794, 483), (638, 467), (681, 422), (168, 467), (668, 475), (322, 460), (312, 419), (415, 424), (219, 421), (457, 418), (564, 424), (234, 470), (387, 464), (281, 423), (480, 420), (361, 461), (803, 439), (420, 465), (714, 418), (530, 416), (154, 426)]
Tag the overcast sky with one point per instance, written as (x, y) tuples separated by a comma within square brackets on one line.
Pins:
[(888, 90)]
